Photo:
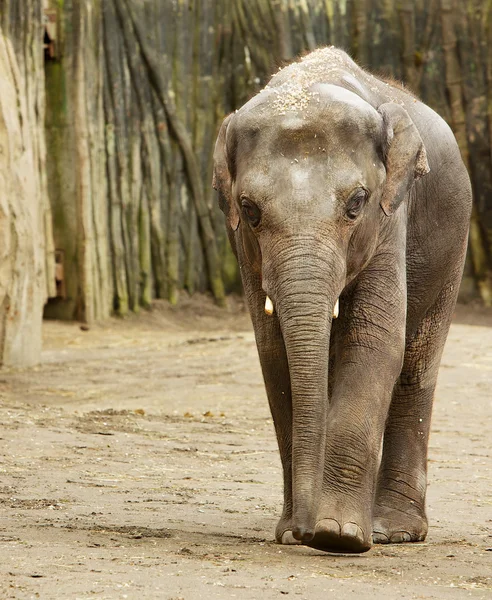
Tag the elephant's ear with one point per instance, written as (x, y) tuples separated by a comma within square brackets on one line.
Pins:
[(222, 180), (405, 156)]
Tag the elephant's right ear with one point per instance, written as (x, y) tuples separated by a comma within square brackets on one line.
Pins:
[(405, 156), (222, 180)]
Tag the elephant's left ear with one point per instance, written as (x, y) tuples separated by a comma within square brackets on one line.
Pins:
[(405, 156)]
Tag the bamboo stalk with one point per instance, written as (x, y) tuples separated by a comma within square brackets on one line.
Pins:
[(488, 29), (478, 242), (359, 31), (406, 12), (144, 251), (116, 236), (179, 131)]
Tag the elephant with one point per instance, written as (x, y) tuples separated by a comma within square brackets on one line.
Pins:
[(347, 205)]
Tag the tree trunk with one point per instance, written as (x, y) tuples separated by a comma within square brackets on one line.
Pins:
[(27, 264), (140, 226), (478, 241), (77, 167)]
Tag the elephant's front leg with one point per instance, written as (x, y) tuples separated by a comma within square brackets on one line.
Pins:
[(399, 512), (275, 368), (369, 346)]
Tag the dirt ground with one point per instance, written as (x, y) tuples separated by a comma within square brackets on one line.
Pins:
[(139, 461)]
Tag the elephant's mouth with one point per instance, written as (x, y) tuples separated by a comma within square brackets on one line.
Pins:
[(269, 308)]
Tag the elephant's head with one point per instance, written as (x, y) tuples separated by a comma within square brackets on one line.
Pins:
[(303, 174)]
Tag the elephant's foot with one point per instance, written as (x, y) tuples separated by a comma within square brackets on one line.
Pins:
[(395, 526), (330, 536)]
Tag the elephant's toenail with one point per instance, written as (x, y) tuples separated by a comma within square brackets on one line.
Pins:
[(400, 537), (289, 539), (379, 538), (352, 530), (328, 526)]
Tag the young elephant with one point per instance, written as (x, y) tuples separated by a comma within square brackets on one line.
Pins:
[(344, 192)]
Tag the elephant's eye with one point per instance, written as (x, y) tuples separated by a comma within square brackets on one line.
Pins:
[(251, 212), (356, 203)]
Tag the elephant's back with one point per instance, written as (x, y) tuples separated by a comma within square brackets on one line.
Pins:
[(323, 65)]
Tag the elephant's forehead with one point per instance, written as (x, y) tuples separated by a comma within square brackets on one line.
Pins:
[(296, 97), (281, 178), (293, 99), (290, 116)]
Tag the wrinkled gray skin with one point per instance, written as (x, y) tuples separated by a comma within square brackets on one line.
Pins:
[(351, 398)]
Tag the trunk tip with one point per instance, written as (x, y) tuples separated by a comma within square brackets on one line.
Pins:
[(303, 534)]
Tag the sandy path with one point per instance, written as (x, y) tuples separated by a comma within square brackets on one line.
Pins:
[(139, 461)]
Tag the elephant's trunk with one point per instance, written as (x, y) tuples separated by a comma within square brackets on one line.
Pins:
[(306, 291)]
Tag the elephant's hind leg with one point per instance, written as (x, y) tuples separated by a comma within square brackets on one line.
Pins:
[(399, 511)]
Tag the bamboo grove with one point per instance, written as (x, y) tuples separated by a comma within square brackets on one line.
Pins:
[(134, 93)]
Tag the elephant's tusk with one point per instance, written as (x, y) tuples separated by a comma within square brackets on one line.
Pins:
[(336, 309), (268, 306)]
